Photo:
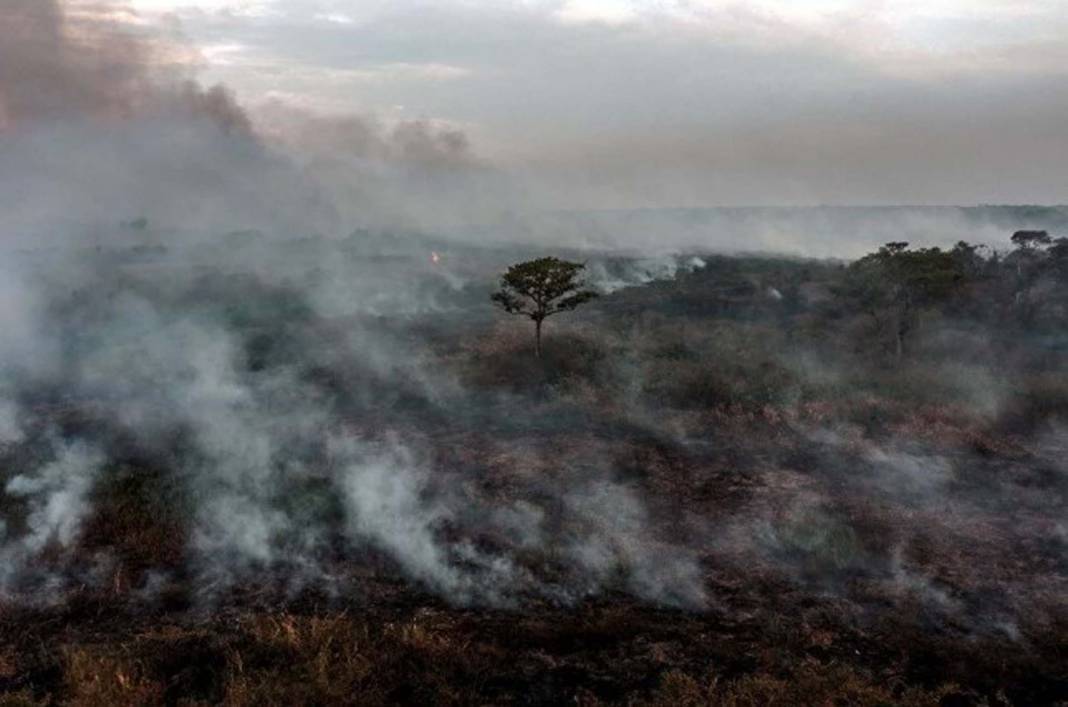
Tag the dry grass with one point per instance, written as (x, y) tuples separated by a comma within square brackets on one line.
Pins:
[(811, 684), (609, 655), (276, 659), (95, 676)]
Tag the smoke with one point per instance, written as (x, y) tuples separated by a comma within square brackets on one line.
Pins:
[(812, 232), (87, 61), (415, 174), (290, 422), (55, 496), (364, 137), (614, 536), (177, 306), (609, 276), (56, 65), (9, 427), (54, 502), (102, 120)]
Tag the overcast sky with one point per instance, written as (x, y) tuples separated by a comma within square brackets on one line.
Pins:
[(676, 102)]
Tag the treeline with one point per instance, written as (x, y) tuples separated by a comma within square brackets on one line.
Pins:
[(1022, 291), (979, 327)]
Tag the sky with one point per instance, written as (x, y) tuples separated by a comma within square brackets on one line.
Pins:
[(622, 103)]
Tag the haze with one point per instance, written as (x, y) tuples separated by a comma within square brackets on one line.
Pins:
[(620, 104)]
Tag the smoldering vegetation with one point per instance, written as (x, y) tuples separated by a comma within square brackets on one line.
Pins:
[(275, 407), (263, 439), (793, 467)]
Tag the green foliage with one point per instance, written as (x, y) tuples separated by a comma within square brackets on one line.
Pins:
[(894, 284), (541, 288), (896, 275)]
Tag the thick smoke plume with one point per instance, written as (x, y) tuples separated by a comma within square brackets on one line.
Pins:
[(103, 120), (82, 61)]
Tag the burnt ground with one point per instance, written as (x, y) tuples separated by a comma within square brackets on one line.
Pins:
[(899, 604), (696, 498)]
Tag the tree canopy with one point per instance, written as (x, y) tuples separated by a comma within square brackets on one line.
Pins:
[(540, 288), (895, 283)]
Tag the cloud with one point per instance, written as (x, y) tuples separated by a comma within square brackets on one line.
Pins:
[(612, 104), (606, 11)]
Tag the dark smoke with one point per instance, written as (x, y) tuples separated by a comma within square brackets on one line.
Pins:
[(53, 67), (80, 61)]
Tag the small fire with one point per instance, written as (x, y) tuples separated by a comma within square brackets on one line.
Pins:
[(435, 258)]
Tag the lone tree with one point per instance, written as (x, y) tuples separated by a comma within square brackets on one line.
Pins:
[(1030, 239), (541, 288)]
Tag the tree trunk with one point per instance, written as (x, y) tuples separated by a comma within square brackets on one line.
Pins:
[(903, 325), (537, 338)]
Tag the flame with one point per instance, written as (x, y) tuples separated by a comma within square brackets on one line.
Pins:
[(435, 258)]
